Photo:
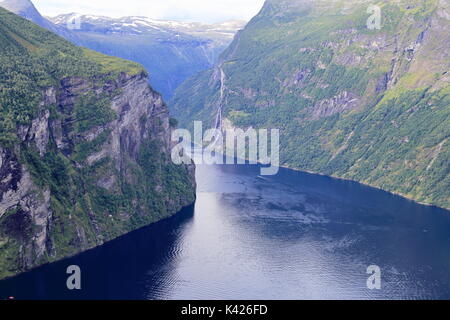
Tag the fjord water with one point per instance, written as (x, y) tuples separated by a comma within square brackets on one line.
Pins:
[(290, 236)]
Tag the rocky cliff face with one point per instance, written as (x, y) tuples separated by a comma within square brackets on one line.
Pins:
[(125, 161), (26, 9), (84, 149), (173, 51)]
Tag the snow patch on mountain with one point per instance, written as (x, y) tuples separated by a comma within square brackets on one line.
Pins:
[(223, 31)]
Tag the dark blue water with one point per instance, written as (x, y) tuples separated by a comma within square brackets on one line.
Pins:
[(291, 236)]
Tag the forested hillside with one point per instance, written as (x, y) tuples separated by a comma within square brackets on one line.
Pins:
[(84, 149), (352, 102)]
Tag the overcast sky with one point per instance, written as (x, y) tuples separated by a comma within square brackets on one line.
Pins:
[(186, 10)]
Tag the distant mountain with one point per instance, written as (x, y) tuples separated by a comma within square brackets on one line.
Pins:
[(360, 103), (26, 9), (220, 33), (171, 51)]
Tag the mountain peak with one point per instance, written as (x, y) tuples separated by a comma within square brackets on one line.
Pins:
[(27, 10), (139, 25), (24, 8)]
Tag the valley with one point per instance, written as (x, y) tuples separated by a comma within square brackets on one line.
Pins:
[(355, 203), (362, 104)]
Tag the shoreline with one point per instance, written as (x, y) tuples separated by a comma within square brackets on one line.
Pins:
[(348, 180), (90, 249), (367, 185)]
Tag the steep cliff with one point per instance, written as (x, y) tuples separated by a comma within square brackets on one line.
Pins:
[(360, 103), (84, 149)]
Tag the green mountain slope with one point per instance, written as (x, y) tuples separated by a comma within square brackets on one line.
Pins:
[(84, 149), (366, 105)]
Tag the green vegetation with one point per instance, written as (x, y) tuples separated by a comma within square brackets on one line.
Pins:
[(92, 111), (300, 68), (32, 59), (91, 202), (112, 65)]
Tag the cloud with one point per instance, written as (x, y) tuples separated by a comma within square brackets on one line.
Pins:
[(186, 10)]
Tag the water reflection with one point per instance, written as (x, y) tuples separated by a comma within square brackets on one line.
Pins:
[(290, 236), (120, 269)]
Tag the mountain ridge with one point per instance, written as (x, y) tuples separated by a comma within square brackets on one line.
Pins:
[(140, 24), (354, 103), (171, 51), (26, 9)]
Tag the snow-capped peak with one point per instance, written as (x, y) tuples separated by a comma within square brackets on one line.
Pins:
[(144, 25)]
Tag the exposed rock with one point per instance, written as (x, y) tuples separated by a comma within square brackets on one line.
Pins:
[(19, 192), (141, 117), (382, 83), (349, 59), (298, 78), (343, 102)]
